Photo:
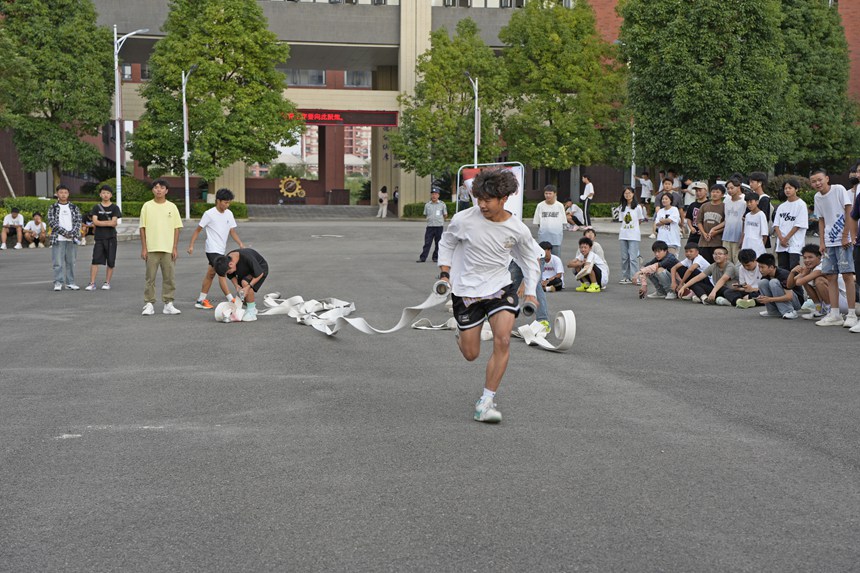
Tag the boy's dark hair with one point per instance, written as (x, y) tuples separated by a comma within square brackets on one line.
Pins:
[(589, 230), (735, 180), (659, 246), (746, 256), (672, 181), (585, 176), (221, 265), (759, 176), (223, 194), (767, 259), (646, 173), (691, 245), (818, 170), (586, 241), (751, 197), (550, 188), (545, 245), (161, 182), (810, 248), (719, 187), (62, 186), (494, 183), (105, 187), (723, 249), (36, 214), (793, 182)]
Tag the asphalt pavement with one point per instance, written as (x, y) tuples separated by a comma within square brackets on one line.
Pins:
[(672, 437)]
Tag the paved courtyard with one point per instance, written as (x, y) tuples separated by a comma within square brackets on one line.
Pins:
[(672, 437)]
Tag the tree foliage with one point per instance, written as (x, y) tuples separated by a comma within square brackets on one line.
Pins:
[(436, 132), (236, 107), (65, 92), (565, 84), (823, 124), (708, 83)]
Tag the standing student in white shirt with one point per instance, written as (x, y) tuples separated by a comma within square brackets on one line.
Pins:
[(646, 194), (667, 222), (219, 223), (586, 198), (474, 256), (550, 217), (789, 226), (755, 229), (629, 236), (65, 221)]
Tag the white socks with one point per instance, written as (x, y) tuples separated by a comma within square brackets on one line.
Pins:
[(202, 296), (489, 393)]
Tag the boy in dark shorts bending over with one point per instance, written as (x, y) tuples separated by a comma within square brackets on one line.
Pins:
[(247, 269), (104, 218), (474, 255)]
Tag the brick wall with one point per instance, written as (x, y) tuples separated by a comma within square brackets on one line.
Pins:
[(608, 21), (850, 12)]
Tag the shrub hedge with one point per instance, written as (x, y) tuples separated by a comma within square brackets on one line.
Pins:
[(416, 210)]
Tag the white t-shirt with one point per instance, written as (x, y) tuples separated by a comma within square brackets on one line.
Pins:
[(647, 188), (10, 220), (831, 207), (34, 228), (746, 277), (588, 192), (65, 220), (551, 219), (598, 262), (598, 249), (791, 214), (699, 260), (576, 212), (755, 226), (734, 217), (479, 251), (671, 234), (552, 268), (217, 227), (630, 224)]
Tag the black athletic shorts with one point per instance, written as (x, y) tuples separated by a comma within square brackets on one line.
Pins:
[(212, 257), (249, 278), (479, 311), (104, 252)]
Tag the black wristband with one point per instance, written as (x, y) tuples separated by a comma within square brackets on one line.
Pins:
[(444, 275)]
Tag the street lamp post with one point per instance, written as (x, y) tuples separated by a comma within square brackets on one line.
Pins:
[(117, 46), (474, 82), (185, 77)]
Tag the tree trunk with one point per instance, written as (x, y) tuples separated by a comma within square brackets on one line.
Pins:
[(6, 178)]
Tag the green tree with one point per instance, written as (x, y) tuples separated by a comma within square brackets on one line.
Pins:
[(436, 132), (566, 86), (707, 83), (281, 170), (823, 124), (236, 106), (68, 96)]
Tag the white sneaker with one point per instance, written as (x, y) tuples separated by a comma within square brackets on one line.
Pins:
[(671, 296), (655, 295), (485, 411), (91, 286), (790, 315), (830, 320), (815, 315), (18, 246), (58, 286), (83, 241), (31, 246), (73, 287), (170, 309), (3, 247), (106, 286), (766, 314), (652, 236), (695, 299), (850, 321), (855, 328), (41, 245), (250, 315), (148, 309), (808, 306), (723, 301)]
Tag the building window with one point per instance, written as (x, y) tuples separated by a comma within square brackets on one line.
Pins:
[(126, 72), (305, 77), (358, 79), (145, 74)]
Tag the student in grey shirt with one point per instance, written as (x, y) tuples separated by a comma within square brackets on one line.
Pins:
[(435, 211)]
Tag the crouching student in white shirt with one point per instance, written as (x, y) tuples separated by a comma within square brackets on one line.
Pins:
[(591, 270)]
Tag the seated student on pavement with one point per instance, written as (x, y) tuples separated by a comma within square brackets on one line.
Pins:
[(778, 298), (13, 225), (36, 232), (552, 274), (658, 271), (711, 285), (749, 276), (598, 272), (815, 284), (692, 265)]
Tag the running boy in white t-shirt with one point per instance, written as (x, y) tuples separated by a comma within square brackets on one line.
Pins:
[(219, 224), (474, 256), (755, 230)]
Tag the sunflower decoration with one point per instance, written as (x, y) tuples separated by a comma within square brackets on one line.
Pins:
[(291, 187)]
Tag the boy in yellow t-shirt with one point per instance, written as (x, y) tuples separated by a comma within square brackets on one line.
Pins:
[(160, 223)]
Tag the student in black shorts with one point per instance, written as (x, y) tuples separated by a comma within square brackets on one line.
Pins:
[(248, 270), (105, 217)]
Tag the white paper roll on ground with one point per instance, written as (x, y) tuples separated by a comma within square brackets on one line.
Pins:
[(564, 328)]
